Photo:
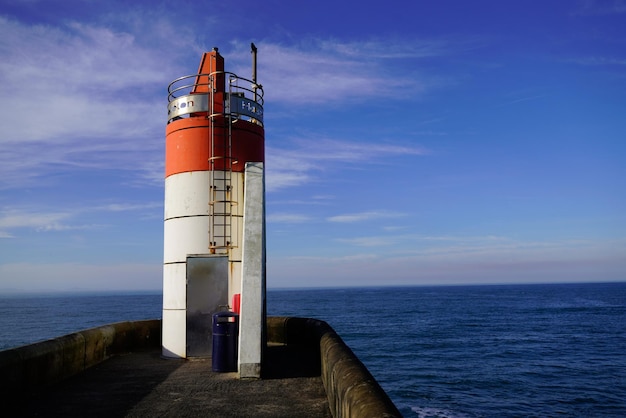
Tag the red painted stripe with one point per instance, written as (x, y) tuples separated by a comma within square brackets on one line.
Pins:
[(187, 145)]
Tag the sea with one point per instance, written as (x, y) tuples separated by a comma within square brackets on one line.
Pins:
[(540, 350)]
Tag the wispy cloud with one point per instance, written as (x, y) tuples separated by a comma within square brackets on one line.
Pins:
[(485, 249), (466, 239), (375, 49), (289, 218), (125, 207), (313, 200), (415, 243), (599, 61), (364, 216), (76, 75), (381, 241), (315, 70), (496, 262), (28, 277), (523, 99), (97, 95), (297, 164), (89, 95), (13, 219), (600, 7), (49, 221)]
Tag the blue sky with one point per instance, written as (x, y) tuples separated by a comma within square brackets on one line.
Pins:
[(407, 143)]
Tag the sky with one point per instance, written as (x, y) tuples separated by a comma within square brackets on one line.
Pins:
[(407, 142)]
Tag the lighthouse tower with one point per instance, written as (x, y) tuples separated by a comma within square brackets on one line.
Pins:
[(214, 242)]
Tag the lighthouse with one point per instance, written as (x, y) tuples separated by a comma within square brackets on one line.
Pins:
[(214, 217)]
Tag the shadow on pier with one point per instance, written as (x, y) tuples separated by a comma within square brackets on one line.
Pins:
[(144, 384)]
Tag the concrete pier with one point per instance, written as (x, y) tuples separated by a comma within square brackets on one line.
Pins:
[(308, 371)]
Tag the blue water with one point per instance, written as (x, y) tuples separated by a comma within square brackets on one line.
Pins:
[(479, 351), (27, 319)]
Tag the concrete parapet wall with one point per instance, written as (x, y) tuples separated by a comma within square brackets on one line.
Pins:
[(59, 358), (351, 389)]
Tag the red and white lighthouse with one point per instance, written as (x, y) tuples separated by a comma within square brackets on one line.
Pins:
[(214, 134)]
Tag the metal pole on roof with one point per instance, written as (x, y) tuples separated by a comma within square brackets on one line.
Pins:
[(254, 53)]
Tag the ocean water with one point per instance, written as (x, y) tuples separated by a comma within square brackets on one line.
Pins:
[(484, 351), (28, 319), (471, 351)]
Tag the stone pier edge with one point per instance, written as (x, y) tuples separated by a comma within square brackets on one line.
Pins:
[(351, 390), (53, 360)]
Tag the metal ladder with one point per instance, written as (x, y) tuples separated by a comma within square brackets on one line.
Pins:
[(221, 199)]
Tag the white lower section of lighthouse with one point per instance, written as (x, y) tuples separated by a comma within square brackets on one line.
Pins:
[(198, 282), (186, 236)]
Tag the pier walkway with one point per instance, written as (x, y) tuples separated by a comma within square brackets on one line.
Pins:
[(116, 370), (143, 384)]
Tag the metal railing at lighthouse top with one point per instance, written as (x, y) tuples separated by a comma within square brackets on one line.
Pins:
[(188, 96), (197, 96)]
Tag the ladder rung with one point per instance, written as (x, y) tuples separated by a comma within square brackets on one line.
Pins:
[(221, 183)]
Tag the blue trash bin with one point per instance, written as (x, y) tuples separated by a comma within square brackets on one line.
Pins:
[(225, 340)]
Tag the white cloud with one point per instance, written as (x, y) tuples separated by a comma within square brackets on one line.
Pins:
[(76, 81), (557, 261), (364, 216), (46, 221), (596, 61), (369, 241), (287, 218), (388, 48), (91, 96), (39, 221), (600, 7), (312, 200), (464, 239), (294, 166), (318, 71), (78, 95), (125, 207), (27, 277), (418, 244)]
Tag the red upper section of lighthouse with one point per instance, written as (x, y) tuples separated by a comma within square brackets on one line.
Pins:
[(213, 122)]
